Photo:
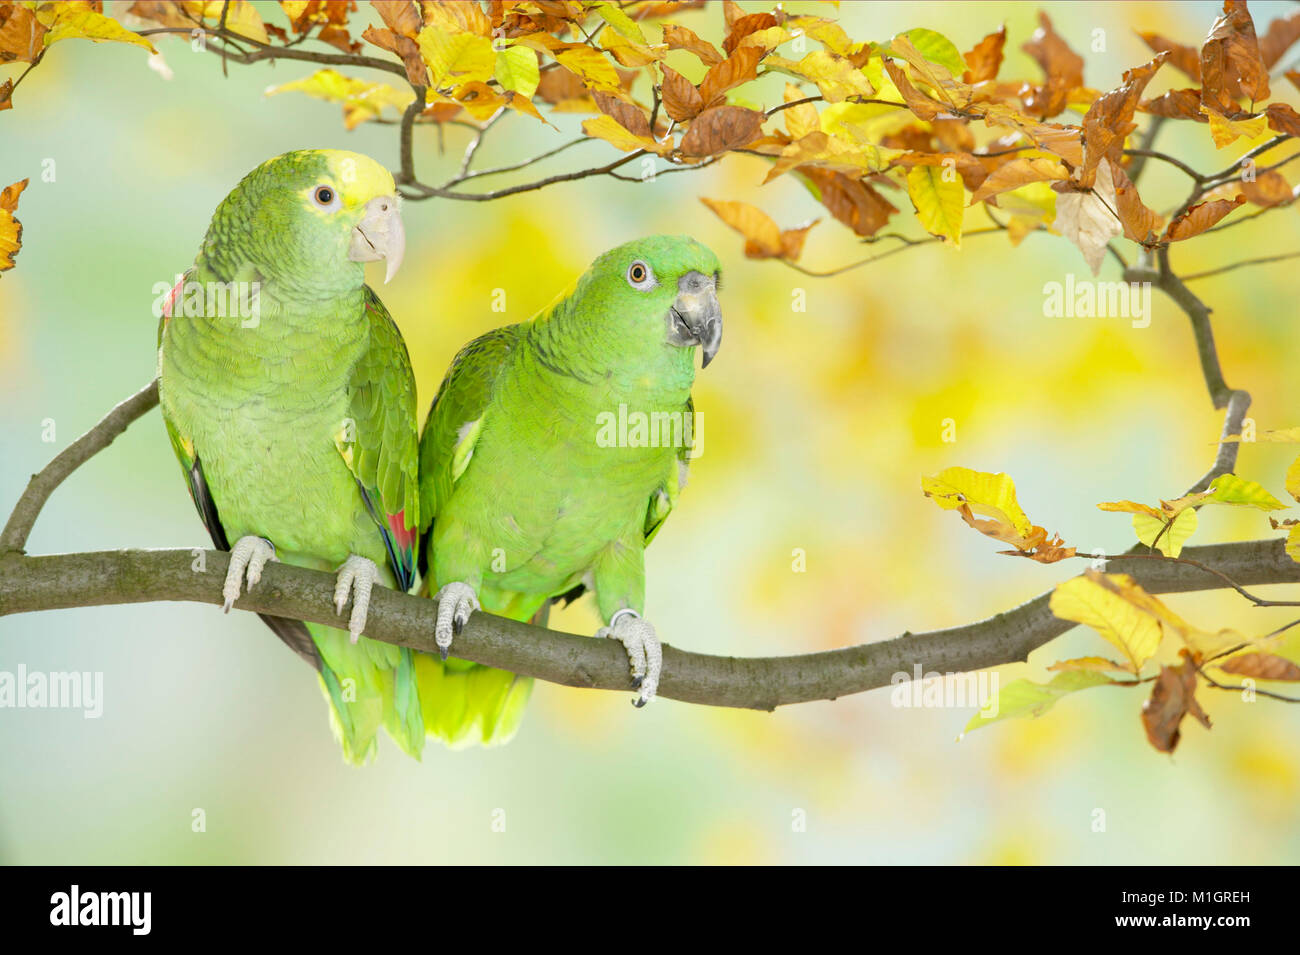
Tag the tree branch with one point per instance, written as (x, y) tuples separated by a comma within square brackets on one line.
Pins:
[(42, 485), (120, 577)]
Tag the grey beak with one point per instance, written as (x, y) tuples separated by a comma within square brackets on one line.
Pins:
[(380, 235), (696, 317)]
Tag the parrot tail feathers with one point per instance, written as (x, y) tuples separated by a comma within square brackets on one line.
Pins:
[(369, 685), (467, 704)]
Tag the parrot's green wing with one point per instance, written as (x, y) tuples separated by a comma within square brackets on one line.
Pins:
[(378, 442), (665, 496), (293, 632), (456, 418)]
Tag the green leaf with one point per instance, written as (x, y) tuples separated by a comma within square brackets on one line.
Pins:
[(517, 70), (621, 22), (937, 48), (1230, 489), (1021, 698), (1171, 542)]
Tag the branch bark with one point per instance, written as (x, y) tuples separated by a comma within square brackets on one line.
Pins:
[(31, 583)]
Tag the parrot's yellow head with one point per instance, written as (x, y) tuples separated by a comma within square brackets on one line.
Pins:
[(306, 214)]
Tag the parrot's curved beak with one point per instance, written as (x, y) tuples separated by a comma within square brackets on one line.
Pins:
[(695, 318), (380, 235)]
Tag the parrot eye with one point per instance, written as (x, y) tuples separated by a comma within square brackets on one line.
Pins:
[(325, 197), (639, 276)]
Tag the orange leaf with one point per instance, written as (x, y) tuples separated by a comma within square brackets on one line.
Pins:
[(11, 230), (1262, 666), (985, 59), (740, 67), (682, 101), (680, 38), (1200, 217)]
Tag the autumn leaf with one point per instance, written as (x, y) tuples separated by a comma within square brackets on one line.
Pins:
[(1110, 119), (1176, 104), (1062, 68), (1282, 118), (750, 23), (680, 38), (1091, 664), (1172, 698), (595, 70), (802, 119), (65, 21), (1117, 608), (1231, 65), (1226, 131), (939, 199), (682, 101), (1088, 218), (609, 129), (1141, 223), (853, 202), (1261, 666), (836, 77), (1017, 173), (22, 36), (922, 106), (763, 237), (1269, 188), (985, 59), (1200, 217), (457, 58), (990, 495), (1281, 34), (400, 16), (404, 47), (720, 129), (740, 67), (361, 100), (1181, 57), (517, 70), (11, 230)]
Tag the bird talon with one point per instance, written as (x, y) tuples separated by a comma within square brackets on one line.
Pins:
[(644, 652), (456, 602), (247, 558), (356, 578)]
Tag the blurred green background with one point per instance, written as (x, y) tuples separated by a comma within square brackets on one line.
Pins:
[(819, 426)]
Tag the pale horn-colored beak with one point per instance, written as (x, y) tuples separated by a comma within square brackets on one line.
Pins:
[(380, 235)]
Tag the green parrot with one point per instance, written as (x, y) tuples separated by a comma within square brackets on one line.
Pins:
[(542, 474), (289, 399)]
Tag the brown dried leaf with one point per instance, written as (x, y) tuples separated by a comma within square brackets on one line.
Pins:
[(1231, 64), (400, 16), (762, 235), (1176, 104), (1172, 698), (985, 59), (792, 241), (721, 128), (416, 71), (1262, 666), (1270, 188), (851, 201), (1110, 118), (682, 101), (1017, 173), (631, 117), (750, 23), (680, 38), (1283, 119), (1140, 222), (740, 67), (1181, 57), (1200, 217), (1279, 37), (21, 35), (921, 105)]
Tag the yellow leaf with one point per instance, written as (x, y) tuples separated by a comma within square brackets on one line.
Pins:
[(1018, 173), (241, 18), (361, 100), (1091, 664), (1293, 543), (517, 70), (613, 132), (1293, 479), (1170, 542), (991, 495), (629, 53), (1103, 602), (11, 230), (621, 22), (456, 58), (595, 70), (1226, 131), (74, 21), (836, 77), (940, 200), (802, 119)]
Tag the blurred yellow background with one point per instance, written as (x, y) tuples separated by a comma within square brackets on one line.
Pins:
[(819, 426)]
